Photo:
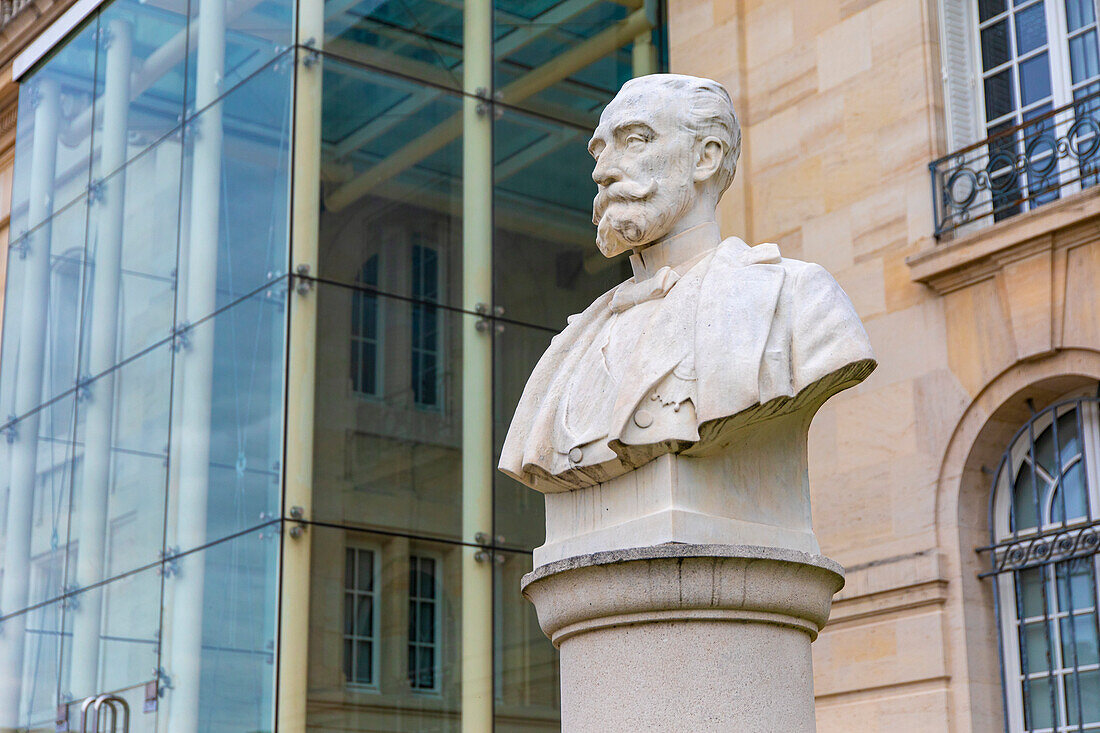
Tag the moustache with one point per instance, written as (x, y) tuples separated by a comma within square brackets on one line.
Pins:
[(621, 191)]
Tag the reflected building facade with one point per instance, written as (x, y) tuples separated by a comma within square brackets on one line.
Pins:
[(280, 272)]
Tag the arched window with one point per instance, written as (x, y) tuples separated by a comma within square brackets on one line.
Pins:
[(366, 332), (1045, 514)]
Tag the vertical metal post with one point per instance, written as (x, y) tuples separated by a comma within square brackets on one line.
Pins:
[(196, 364), (28, 393), (477, 367), (92, 525), (294, 584)]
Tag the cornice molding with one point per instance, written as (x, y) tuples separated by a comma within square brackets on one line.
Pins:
[(1062, 225), (33, 17)]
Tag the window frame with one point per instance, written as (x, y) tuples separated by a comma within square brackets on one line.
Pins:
[(437, 643), (380, 320), (358, 547), (1007, 598), (429, 241)]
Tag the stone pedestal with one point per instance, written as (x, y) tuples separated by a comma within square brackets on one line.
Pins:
[(680, 637)]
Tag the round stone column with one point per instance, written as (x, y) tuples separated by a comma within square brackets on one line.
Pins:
[(682, 637)]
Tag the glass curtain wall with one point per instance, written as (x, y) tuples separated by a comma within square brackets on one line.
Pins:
[(278, 274), (455, 238), (142, 369)]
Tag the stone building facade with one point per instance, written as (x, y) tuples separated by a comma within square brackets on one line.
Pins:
[(844, 104)]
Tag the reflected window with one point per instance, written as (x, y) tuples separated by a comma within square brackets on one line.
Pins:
[(360, 616), (65, 309), (1045, 540), (426, 335), (423, 623), (366, 331)]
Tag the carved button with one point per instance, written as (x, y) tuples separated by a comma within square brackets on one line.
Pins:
[(643, 419), (576, 455)]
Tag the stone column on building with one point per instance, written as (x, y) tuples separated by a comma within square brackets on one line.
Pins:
[(666, 426)]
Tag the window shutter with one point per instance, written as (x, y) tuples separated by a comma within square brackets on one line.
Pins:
[(960, 88)]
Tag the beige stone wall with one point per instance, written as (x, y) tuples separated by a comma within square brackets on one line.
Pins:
[(841, 108)]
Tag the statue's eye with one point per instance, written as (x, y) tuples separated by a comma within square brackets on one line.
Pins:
[(636, 140)]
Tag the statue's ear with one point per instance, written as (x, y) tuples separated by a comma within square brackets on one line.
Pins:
[(709, 154)]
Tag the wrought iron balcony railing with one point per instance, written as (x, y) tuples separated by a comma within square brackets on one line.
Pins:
[(1019, 168)]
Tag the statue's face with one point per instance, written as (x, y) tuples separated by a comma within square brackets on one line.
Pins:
[(644, 170)]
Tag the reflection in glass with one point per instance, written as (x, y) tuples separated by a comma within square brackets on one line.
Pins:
[(235, 193), (221, 648), (52, 150), (45, 276), (227, 430), (526, 665), (403, 635), (391, 167), (122, 648), (388, 462)]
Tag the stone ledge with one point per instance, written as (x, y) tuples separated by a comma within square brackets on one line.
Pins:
[(979, 256)]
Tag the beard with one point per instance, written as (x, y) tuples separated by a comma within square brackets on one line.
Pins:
[(630, 215)]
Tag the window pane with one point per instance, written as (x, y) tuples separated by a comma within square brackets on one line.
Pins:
[(988, 8), (1035, 640), (1083, 58), (1040, 712), (1075, 584), (364, 616), (1025, 512), (1089, 685), (427, 577), (364, 667), (1079, 635), (366, 570), (37, 673), (1079, 13), (1031, 29), (995, 50), (999, 99), (1029, 591), (1072, 495), (1034, 79)]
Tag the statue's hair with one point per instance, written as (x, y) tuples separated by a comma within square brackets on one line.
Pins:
[(709, 113)]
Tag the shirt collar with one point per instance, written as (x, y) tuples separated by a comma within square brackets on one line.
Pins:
[(676, 251)]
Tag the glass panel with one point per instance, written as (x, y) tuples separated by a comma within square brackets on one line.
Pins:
[(393, 703), (989, 8), (368, 117), (35, 490), (1040, 705), (1025, 512), (1031, 29), (532, 34), (519, 512), (40, 337), (420, 39), (1035, 640), (1083, 60), (1089, 710), (243, 189), (389, 463), (112, 633), (1079, 635), (526, 664), (52, 103), (1029, 592), (237, 605), (995, 49), (138, 302), (232, 423), (147, 41), (999, 100), (1034, 79), (117, 520), (1079, 13), (33, 681), (254, 32), (1075, 584), (1072, 495), (545, 258)]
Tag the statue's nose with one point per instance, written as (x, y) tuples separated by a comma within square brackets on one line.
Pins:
[(604, 174)]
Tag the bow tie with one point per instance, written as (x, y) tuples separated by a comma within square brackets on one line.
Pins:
[(631, 293)]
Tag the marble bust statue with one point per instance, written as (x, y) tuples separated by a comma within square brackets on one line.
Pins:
[(710, 336)]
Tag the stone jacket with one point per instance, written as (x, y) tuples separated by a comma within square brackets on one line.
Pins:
[(741, 333)]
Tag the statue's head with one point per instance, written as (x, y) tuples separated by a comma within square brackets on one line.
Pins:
[(666, 145)]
